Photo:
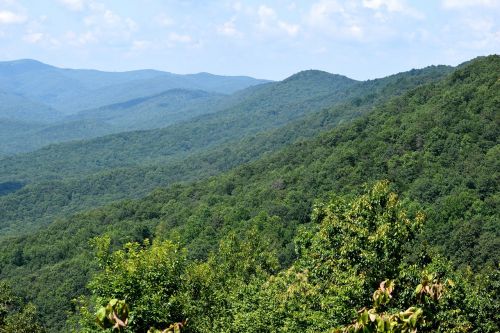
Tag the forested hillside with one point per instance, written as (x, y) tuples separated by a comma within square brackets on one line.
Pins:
[(157, 111), (139, 162), (257, 109), (45, 99), (437, 144), (72, 90)]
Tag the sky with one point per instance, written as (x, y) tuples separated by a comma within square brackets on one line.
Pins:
[(269, 39)]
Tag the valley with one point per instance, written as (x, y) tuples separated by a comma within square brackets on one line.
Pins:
[(259, 174)]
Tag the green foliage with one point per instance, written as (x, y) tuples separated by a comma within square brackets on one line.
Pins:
[(355, 244), (240, 289), (114, 315), (16, 317), (372, 320), (146, 278), (82, 175), (438, 149)]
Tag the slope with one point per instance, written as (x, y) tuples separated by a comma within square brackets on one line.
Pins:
[(263, 107), (17, 108), (72, 90), (27, 209), (148, 112), (250, 111), (155, 111), (138, 88), (438, 143)]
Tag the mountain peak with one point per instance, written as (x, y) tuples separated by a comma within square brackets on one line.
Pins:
[(314, 74), (22, 65)]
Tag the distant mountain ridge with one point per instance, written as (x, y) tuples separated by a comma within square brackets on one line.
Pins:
[(88, 173), (71, 90), (437, 142), (42, 104)]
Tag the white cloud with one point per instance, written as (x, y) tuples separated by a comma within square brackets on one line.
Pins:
[(393, 6), (74, 5), (178, 38), (41, 38), (266, 14), (8, 17), (111, 18), (269, 22), (229, 29), (361, 20), (139, 45), (237, 6), (291, 29), (104, 24), (460, 4), (481, 25), (331, 18), (81, 39), (164, 20), (33, 38), (321, 11)]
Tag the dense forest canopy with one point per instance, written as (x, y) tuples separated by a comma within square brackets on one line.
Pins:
[(43, 104), (83, 175), (385, 220)]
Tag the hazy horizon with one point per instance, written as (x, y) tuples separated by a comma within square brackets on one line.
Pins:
[(270, 39), (218, 74)]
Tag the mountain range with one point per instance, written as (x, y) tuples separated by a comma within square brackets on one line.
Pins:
[(43, 104), (257, 164)]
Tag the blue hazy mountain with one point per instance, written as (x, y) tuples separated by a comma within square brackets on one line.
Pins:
[(72, 90)]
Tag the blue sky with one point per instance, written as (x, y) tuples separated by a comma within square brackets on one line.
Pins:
[(267, 39)]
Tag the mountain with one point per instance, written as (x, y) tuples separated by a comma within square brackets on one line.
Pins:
[(62, 101), (159, 110), (249, 111), (18, 108), (72, 90), (79, 183), (258, 108), (437, 143), (148, 112), (138, 88), (142, 102)]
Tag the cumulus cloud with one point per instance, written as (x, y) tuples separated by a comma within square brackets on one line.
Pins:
[(270, 23), (180, 38), (103, 24), (33, 38), (41, 38), (229, 29), (393, 6), (290, 29), (74, 5), (460, 4), (8, 17), (360, 20), (164, 20), (335, 19), (80, 39), (321, 11), (139, 45)]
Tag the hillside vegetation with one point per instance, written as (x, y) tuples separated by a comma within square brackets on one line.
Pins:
[(437, 145), (72, 90), (47, 99), (88, 174)]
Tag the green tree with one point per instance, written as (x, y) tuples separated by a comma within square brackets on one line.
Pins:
[(16, 317)]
